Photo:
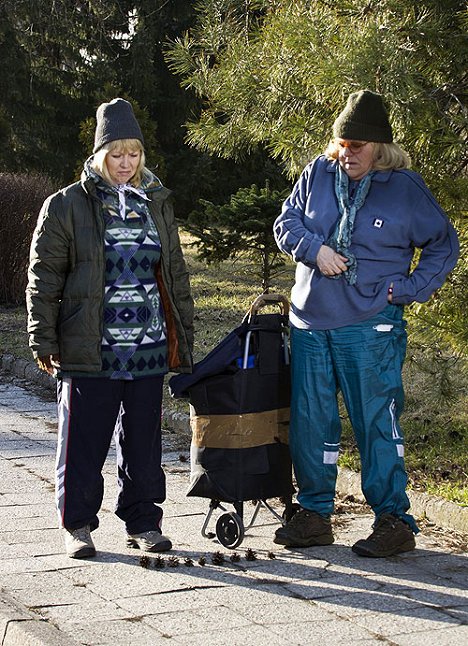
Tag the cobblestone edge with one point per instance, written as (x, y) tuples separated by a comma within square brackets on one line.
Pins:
[(20, 627)]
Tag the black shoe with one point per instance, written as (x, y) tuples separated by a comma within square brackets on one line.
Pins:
[(391, 536), (305, 528)]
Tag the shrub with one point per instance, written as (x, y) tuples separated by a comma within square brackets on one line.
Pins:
[(21, 197), (241, 227)]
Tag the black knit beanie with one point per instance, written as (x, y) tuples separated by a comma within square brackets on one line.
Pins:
[(364, 118), (115, 120)]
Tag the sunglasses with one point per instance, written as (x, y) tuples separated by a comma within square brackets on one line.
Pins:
[(353, 146)]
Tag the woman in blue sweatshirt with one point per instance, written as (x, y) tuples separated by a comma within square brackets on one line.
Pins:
[(352, 224)]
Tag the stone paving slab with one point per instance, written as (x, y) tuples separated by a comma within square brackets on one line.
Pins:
[(19, 627), (221, 636), (119, 631), (413, 621), (282, 596), (443, 637)]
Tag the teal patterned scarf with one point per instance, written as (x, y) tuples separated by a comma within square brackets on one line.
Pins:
[(340, 239)]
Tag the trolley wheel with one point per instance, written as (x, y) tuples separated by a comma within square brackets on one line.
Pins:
[(230, 530)]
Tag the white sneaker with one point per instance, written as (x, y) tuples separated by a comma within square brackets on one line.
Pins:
[(151, 541), (78, 543)]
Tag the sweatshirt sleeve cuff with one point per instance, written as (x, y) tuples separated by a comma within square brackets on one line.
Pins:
[(312, 251), (399, 295)]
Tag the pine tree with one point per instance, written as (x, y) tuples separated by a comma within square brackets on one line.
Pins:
[(61, 51), (241, 227), (276, 74)]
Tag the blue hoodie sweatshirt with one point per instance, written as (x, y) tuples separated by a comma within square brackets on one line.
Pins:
[(399, 215)]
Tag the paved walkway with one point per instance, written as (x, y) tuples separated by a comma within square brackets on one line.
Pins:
[(281, 597)]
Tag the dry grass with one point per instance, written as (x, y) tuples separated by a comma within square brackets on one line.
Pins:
[(13, 335)]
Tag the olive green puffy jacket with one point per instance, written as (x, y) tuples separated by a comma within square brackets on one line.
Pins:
[(65, 292)]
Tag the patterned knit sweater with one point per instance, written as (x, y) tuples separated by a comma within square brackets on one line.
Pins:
[(134, 337)]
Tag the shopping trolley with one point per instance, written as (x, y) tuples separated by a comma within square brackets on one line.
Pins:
[(239, 414)]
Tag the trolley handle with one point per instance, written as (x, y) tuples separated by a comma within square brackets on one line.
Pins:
[(245, 356), (262, 301), (267, 299)]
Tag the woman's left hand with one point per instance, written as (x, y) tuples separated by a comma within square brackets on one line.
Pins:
[(329, 262)]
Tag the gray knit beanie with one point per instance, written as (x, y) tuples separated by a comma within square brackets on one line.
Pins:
[(115, 120), (364, 118)]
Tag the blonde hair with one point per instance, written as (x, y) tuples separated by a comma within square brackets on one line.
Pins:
[(124, 146), (386, 156)]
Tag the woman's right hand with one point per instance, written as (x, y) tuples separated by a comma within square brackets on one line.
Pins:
[(330, 262), (49, 363)]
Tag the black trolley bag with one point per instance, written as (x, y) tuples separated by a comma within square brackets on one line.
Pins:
[(239, 415)]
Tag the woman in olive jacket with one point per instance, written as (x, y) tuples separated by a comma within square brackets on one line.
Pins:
[(110, 313)]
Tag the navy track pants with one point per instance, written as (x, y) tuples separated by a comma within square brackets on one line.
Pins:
[(91, 411), (364, 361)]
